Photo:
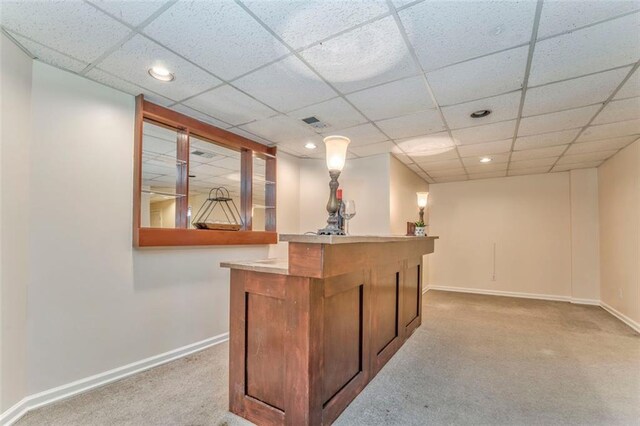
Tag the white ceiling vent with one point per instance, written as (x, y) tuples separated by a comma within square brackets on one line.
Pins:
[(315, 123)]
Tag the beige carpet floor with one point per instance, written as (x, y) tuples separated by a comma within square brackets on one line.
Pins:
[(476, 360)]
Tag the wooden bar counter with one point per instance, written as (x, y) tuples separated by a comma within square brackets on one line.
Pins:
[(309, 332)]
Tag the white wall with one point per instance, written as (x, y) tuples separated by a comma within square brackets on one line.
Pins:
[(403, 203), (528, 218), (619, 196), (585, 235), (15, 113), (95, 303), (287, 201), (364, 180)]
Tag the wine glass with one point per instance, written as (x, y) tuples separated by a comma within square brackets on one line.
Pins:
[(348, 211)]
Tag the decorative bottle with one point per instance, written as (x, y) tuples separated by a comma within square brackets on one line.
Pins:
[(340, 209)]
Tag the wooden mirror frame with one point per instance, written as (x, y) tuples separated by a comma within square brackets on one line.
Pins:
[(182, 236)]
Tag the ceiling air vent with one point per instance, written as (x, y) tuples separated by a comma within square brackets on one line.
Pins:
[(315, 123), (203, 154)]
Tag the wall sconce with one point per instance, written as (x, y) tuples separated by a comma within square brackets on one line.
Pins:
[(336, 147), (422, 203)]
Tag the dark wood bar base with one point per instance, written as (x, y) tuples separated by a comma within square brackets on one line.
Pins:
[(305, 341)]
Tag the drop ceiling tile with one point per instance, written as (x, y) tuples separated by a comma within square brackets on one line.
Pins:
[(131, 12), (486, 133), (487, 167), (50, 56), (415, 168), (573, 166), (502, 107), (487, 175), (303, 23), (337, 113), (372, 54), (631, 88), (611, 130), (76, 28), (434, 155), (373, 149), (603, 145), (586, 157), (451, 179), (230, 105), (529, 154), (400, 3), (393, 99), (404, 158), (495, 159), (251, 136), (419, 123), (545, 139), (595, 88), (555, 121), (446, 32), (622, 110), (559, 16), (476, 79), (134, 58), (200, 116), (283, 87), (363, 134), (446, 173), (291, 151), (528, 171), (597, 48), (217, 35), (117, 83), (484, 149), (427, 144), (432, 166), (536, 162), (283, 130)]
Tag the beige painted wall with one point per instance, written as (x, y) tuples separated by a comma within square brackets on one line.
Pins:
[(287, 201), (619, 201), (403, 203), (95, 303), (585, 235), (15, 113), (528, 218), (364, 180)]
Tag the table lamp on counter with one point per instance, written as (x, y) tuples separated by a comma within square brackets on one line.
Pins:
[(336, 148)]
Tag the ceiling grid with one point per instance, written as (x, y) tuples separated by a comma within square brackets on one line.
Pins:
[(572, 71)]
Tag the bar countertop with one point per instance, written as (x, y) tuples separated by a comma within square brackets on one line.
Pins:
[(281, 266), (347, 239), (270, 266)]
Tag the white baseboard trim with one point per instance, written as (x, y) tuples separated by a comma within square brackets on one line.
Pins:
[(625, 319), (517, 294), (501, 293), (70, 389), (622, 317)]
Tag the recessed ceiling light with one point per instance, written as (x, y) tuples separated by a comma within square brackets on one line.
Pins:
[(486, 160), (310, 145), (480, 113), (161, 73)]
